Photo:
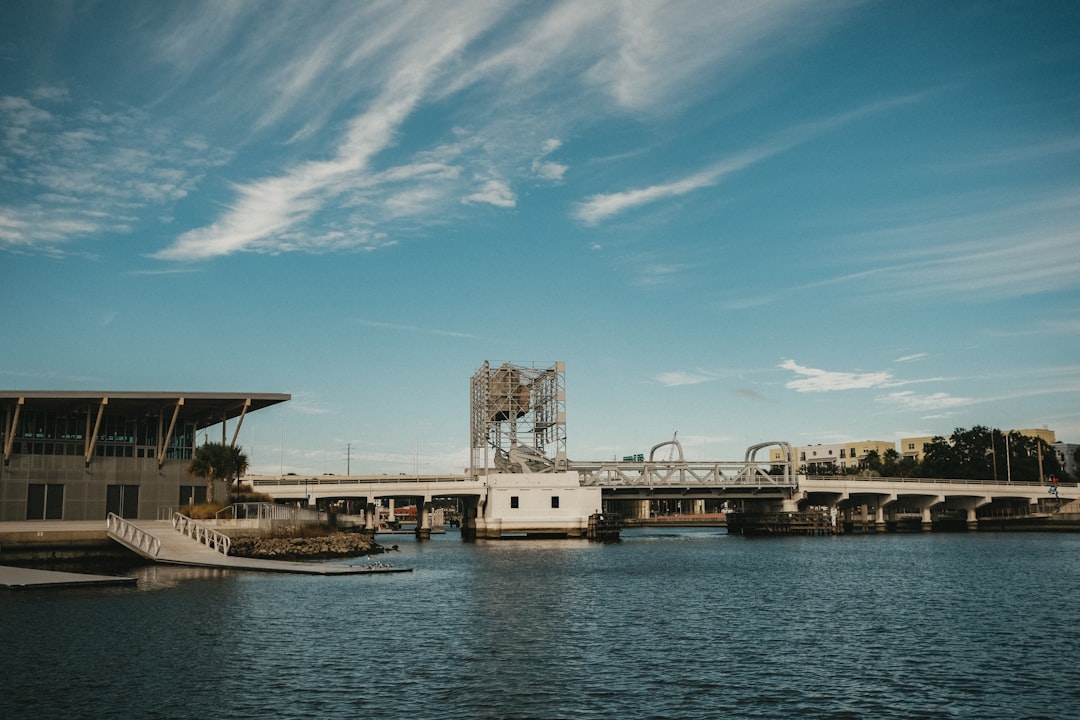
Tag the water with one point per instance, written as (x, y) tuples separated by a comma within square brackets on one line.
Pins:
[(667, 624)]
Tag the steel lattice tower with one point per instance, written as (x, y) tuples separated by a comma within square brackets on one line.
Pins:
[(518, 419)]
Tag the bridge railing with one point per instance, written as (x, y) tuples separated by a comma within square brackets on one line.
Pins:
[(303, 480), (132, 535), (207, 536), (679, 474), (869, 480)]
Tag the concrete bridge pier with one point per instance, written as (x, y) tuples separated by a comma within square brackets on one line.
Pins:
[(927, 504), (470, 509), (423, 518), (371, 516)]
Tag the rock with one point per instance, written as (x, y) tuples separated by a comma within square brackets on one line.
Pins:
[(304, 548)]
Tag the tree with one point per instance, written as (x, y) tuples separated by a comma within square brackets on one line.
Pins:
[(872, 462), (218, 461), (890, 463), (939, 459)]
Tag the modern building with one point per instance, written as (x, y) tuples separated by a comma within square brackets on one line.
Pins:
[(79, 455)]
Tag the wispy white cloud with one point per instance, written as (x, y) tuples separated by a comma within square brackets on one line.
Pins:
[(986, 246), (932, 402), (547, 169), (88, 172), (266, 209), (679, 377), (493, 192), (602, 206), (817, 380), (414, 329), (910, 358), (300, 70)]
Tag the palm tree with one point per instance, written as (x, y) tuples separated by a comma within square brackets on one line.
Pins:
[(218, 461)]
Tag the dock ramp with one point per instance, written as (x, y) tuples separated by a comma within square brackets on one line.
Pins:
[(183, 541)]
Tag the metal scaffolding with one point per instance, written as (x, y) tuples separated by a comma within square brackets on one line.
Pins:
[(518, 419)]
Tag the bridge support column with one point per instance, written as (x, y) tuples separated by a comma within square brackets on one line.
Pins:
[(879, 518), (469, 511), (927, 521), (371, 516), (423, 519)]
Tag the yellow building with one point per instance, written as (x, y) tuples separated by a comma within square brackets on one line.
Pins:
[(915, 447), (1047, 436), (841, 455)]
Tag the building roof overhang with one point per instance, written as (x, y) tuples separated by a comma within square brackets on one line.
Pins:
[(203, 408)]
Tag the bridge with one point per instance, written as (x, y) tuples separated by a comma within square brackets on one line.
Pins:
[(520, 480), (628, 487)]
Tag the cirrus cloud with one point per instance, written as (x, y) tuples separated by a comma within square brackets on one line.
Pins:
[(817, 380)]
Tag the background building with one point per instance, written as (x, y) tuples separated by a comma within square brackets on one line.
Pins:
[(834, 457), (915, 447), (81, 455)]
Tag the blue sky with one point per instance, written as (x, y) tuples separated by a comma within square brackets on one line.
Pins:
[(801, 221)]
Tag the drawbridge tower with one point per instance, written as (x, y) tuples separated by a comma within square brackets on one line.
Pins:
[(518, 419)]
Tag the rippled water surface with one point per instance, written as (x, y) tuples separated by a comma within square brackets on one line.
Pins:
[(666, 624)]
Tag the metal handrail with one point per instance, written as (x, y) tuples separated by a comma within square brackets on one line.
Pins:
[(936, 481), (132, 535), (207, 536)]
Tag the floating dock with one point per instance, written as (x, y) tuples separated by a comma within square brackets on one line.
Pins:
[(159, 540), (18, 578)]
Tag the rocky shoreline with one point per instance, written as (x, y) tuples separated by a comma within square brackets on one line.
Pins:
[(324, 547)]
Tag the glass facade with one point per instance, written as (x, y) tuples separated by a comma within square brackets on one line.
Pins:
[(49, 433)]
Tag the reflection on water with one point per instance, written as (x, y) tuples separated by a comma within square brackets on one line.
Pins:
[(666, 624)]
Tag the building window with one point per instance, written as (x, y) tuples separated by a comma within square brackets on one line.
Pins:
[(513, 502), (192, 494), (44, 501), (554, 501), (122, 500)]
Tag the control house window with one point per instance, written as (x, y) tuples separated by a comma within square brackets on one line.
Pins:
[(514, 501)]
